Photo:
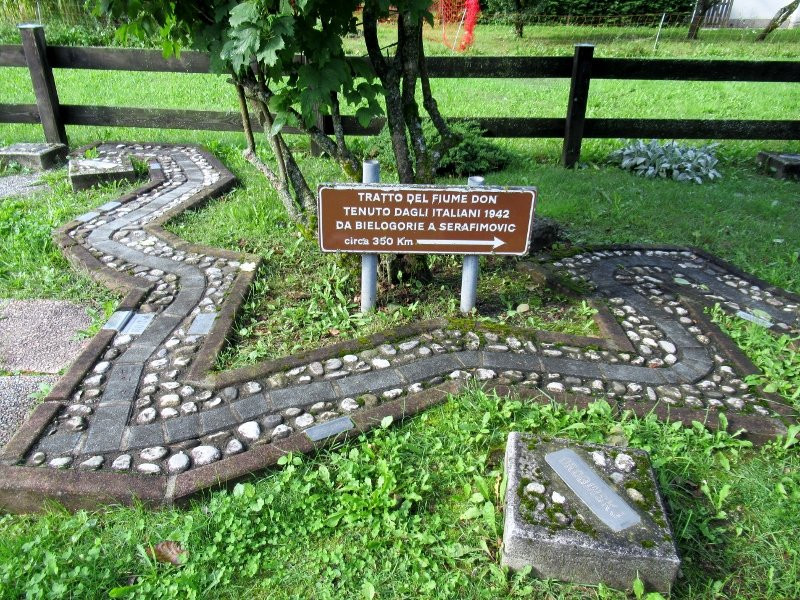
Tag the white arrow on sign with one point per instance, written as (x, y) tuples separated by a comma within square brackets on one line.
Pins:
[(495, 243)]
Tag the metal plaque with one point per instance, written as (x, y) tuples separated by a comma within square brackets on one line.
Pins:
[(753, 318), (85, 218), (202, 324), (109, 206), (425, 219), (596, 494), (138, 324), (118, 320), (329, 428)]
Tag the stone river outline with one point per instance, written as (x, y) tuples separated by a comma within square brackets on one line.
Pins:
[(142, 415)]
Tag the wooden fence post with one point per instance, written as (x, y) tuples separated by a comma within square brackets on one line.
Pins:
[(44, 86), (576, 105)]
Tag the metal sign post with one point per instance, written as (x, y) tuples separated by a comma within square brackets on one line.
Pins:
[(470, 266), (371, 173)]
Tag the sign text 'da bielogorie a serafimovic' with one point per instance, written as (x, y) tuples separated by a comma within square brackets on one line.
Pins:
[(425, 219)]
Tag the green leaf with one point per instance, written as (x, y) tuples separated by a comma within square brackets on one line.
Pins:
[(470, 513), (244, 12), (122, 591), (723, 422), (638, 587), (364, 116), (490, 516), (279, 28), (368, 590), (386, 421)]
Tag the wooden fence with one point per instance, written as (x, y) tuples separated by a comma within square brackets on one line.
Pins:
[(581, 68)]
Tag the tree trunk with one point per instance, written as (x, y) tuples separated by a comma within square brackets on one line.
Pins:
[(519, 19), (388, 73), (409, 40), (701, 8), (779, 19)]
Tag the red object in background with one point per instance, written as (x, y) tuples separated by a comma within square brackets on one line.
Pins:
[(458, 19)]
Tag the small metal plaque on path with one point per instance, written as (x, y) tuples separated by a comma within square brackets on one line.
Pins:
[(328, 429), (138, 324), (425, 219), (595, 493), (753, 318), (202, 324), (118, 320)]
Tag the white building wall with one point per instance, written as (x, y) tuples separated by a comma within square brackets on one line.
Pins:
[(757, 13)]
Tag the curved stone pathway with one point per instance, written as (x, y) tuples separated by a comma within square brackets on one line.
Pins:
[(141, 415)]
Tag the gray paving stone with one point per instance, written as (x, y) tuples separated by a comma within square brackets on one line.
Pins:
[(144, 436), (471, 359), (123, 381), (570, 366), (301, 395), (422, 370), (117, 411), (643, 375), (183, 428), (329, 429), (511, 361), (216, 419), (59, 443), (369, 382), (104, 436), (251, 407), (136, 354)]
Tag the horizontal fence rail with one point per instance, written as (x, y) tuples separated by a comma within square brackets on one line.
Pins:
[(573, 128)]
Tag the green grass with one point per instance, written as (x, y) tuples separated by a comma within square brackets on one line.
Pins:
[(776, 356), (31, 265), (389, 513)]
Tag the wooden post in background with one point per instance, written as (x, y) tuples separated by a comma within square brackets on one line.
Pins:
[(576, 105), (44, 86)]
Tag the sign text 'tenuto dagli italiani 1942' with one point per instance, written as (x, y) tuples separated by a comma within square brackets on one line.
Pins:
[(425, 219)]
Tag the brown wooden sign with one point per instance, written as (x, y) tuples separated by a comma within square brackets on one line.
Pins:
[(425, 219)]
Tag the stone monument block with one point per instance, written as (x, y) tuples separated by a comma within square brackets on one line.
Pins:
[(86, 172), (585, 513), (781, 166), (39, 157)]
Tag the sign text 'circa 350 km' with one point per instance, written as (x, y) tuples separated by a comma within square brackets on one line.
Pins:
[(425, 219)]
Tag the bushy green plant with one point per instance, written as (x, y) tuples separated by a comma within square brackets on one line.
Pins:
[(682, 163), (473, 155)]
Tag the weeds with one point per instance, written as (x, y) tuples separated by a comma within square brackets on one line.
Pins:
[(776, 356)]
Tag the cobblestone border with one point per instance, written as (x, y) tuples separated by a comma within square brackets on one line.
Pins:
[(647, 359)]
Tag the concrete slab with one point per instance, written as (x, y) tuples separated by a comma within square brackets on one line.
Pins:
[(38, 156), (586, 513), (87, 172), (40, 336)]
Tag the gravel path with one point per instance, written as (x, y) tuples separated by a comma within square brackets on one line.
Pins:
[(20, 185), (40, 336), (15, 401)]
